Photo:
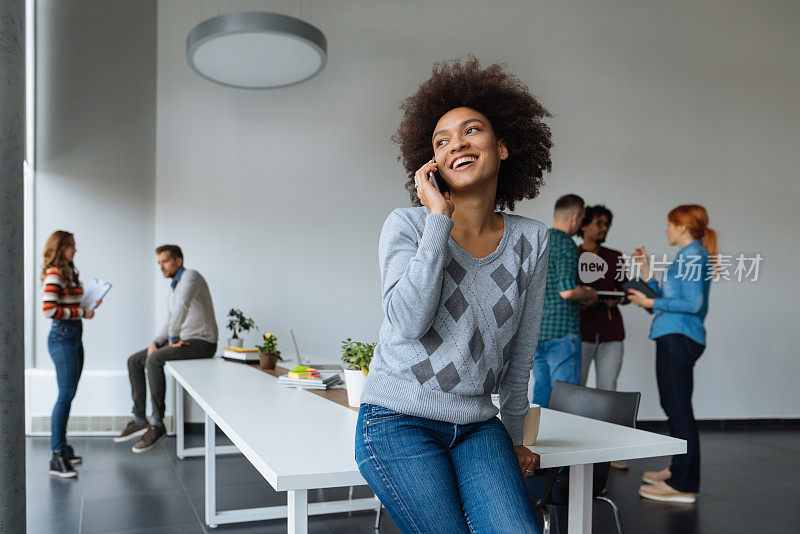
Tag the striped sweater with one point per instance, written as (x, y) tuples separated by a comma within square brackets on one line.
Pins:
[(58, 302)]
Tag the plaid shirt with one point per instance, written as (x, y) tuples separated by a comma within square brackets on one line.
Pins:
[(560, 317)]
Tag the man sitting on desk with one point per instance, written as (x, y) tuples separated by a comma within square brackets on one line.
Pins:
[(189, 332)]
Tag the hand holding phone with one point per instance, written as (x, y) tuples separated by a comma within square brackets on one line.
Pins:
[(432, 197)]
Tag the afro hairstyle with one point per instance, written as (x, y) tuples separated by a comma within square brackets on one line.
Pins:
[(515, 114)]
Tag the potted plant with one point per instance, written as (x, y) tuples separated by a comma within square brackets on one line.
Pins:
[(268, 353), (356, 357), (237, 322)]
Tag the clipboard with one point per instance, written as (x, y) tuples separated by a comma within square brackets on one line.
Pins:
[(93, 291)]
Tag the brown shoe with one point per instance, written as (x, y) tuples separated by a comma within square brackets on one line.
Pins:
[(622, 466), (665, 493), (150, 439), (133, 430), (656, 477)]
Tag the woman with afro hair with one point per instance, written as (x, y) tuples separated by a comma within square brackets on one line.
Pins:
[(462, 292)]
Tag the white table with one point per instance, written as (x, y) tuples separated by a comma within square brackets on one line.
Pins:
[(570, 440), (300, 441), (296, 440)]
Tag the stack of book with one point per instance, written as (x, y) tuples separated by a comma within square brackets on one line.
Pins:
[(306, 377), (238, 354)]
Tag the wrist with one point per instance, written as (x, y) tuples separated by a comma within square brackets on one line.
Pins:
[(443, 211)]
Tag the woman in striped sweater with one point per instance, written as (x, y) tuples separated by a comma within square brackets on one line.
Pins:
[(62, 303)]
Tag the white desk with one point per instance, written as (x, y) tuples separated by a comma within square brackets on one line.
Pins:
[(296, 440), (569, 440), (300, 441)]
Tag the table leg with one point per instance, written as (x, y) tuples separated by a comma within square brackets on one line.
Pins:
[(179, 438), (580, 499), (298, 511), (211, 472)]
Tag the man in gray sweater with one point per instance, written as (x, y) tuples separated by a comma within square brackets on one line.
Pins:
[(189, 332)]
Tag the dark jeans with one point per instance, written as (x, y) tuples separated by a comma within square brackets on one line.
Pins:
[(154, 364), (66, 350), (440, 477), (676, 355)]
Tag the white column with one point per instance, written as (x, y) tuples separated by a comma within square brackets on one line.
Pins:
[(580, 499), (298, 511), (211, 472)]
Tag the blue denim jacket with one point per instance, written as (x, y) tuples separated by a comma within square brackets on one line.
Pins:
[(683, 295)]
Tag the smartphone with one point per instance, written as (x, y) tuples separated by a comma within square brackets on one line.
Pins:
[(432, 176)]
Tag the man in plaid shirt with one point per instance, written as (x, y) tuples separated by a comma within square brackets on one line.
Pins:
[(558, 355)]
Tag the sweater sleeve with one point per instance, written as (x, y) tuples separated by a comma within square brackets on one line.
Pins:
[(53, 286), (163, 334), (514, 401), (412, 270), (185, 292)]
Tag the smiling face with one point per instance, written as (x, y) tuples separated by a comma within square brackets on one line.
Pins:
[(466, 149)]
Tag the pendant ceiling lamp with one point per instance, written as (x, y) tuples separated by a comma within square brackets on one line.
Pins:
[(256, 50)]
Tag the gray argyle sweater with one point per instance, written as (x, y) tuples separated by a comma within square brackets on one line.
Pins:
[(457, 328)]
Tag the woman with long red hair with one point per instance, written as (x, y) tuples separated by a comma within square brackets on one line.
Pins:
[(61, 302), (680, 337)]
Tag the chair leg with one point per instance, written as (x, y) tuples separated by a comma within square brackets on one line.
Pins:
[(378, 510), (614, 509), (546, 525)]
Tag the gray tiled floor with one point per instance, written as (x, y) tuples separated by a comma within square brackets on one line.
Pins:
[(749, 485)]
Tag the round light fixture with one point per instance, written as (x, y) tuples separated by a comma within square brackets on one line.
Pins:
[(256, 50)]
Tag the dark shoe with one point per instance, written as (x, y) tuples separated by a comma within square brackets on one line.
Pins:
[(60, 466), (70, 452), (133, 430), (150, 439)]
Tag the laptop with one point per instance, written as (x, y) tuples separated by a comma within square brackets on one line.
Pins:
[(320, 367)]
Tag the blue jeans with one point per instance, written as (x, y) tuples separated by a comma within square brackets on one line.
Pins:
[(676, 355), (555, 359), (66, 350), (434, 476)]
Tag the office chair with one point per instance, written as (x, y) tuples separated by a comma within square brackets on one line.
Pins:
[(616, 407)]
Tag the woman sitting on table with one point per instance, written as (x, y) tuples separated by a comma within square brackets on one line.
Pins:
[(462, 292), (680, 339)]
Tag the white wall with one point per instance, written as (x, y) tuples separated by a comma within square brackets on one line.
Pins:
[(95, 173), (278, 196)]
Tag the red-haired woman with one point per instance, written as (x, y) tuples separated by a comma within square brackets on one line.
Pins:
[(62, 303), (680, 340)]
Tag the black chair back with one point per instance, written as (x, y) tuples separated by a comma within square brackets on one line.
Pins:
[(616, 407)]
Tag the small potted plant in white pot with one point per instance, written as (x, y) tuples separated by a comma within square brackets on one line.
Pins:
[(268, 353), (237, 322), (356, 357)]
